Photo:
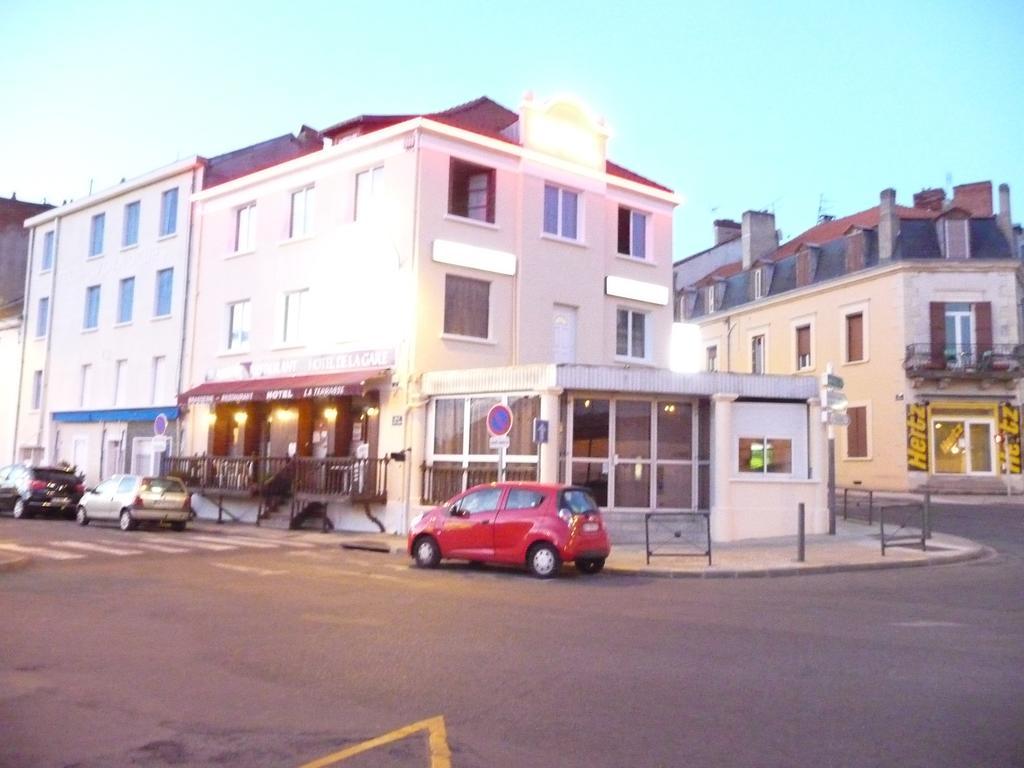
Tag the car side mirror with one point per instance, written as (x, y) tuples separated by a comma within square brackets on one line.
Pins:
[(454, 510)]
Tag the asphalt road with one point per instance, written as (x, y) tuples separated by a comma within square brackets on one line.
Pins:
[(280, 655)]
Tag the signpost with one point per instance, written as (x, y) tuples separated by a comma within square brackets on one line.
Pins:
[(833, 414), (499, 424)]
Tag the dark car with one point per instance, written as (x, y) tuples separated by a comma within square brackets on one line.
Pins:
[(26, 490), (539, 525)]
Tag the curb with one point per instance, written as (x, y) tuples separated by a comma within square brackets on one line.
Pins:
[(976, 553)]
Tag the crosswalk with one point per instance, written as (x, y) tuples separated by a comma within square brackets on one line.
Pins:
[(143, 544)]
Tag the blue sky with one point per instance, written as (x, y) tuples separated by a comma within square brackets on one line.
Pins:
[(789, 106)]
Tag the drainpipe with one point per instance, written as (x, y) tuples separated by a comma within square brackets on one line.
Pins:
[(44, 384), (24, 341), (180, 427)]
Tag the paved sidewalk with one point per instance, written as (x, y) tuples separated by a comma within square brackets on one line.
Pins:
[(855, 547)]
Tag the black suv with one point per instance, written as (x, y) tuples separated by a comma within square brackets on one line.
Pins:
[(25, 490)]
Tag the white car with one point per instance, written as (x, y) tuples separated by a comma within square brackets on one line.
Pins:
[(131, 499)]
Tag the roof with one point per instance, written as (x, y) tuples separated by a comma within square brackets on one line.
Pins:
[(830, 230), (263, 154), (483, 116)]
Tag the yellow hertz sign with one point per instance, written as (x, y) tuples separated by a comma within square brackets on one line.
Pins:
[(917, 437), (1009, 445)]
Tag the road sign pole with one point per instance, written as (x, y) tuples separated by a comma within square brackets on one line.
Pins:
[(831, 480), (501, 465)]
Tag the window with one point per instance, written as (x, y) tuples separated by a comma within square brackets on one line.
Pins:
[(164, 288), (757, 354), (712, 359), (759, 283), (130, 236), (302, 213), (169, 212), (368, 189), (156, 388), (120, 382), (245, 222), (471, 191), (291, 317), (520, 498), (96, 234), (37, 390), (126, 300), (485, 500), (467, 307), (855, 337), (561, 212), (631, 334), (47, 261), (766, 455), (709, 299), (92, 307), (632, 233), (43, 316), (238, 325), (959, 331), (857, 432), (803, 347), (84, 381)]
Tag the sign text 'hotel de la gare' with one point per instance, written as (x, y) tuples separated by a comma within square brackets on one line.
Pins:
[(288, 378)]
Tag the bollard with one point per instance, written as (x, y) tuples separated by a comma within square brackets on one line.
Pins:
[(926, 523), (800, 533), (871, 506)]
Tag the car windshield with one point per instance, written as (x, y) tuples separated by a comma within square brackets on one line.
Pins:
[(162, 485), (55, 476), (577, 501)]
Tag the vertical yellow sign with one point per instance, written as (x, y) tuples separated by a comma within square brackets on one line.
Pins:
[(1009, 443), (917, 437)]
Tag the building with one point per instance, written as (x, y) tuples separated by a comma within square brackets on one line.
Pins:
[(13, 256), (105, 309), (917, 308), (358, 312)]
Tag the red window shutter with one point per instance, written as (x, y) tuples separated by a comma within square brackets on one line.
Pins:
[(857, 433), (983, 327), (937, 336)]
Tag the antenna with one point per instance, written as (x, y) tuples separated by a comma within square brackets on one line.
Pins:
[(823, 207)]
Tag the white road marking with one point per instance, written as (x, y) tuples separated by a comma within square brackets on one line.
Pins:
[(235, 541), (107, 550), (52, 554), (159, 547), (187, 541), (924, 623), (248, 569)]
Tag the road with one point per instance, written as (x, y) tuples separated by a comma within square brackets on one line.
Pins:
[(282, 655)]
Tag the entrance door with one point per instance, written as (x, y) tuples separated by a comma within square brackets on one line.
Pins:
[(963, 446), (80, 453), (113, 462), (147, 455), (564, 336)]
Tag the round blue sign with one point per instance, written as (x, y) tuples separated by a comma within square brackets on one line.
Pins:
[(499, 420), (160, 424)]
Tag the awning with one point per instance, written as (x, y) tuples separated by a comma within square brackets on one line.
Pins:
[(114, 414), (283, 388)]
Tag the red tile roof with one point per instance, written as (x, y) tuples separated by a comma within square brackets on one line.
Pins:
[(482, 116), (831, 230), (723, 272)]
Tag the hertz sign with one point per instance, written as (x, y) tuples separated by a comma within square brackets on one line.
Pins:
[(917, 437), (1009, 431)]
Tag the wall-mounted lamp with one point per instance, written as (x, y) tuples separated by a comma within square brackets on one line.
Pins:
[(211, 418), (240, 417), (330, 414), (372, 411)]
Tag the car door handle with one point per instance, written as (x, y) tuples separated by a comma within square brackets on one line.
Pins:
[(485, 522)]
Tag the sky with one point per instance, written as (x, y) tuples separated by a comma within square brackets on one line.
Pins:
[(799, 108)]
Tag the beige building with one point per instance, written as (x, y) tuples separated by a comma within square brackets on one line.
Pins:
[(916, 308)]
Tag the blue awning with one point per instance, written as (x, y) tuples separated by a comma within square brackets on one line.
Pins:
[(115, 414)]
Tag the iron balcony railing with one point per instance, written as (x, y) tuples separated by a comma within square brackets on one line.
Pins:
[(441, 483), (965, 360), (281, 476)]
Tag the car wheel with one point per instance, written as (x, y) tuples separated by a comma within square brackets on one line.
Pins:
[(426, 552), (543, 561), (127, 521), (20, 509), (590, 565), (178, 525), (81, 517)]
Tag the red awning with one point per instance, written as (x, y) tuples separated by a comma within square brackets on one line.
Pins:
[(283, 388)]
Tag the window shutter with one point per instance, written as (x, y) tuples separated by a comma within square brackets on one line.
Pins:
[(937, 336), (857, 432), (624, 230), (983, 326), (854, 337)]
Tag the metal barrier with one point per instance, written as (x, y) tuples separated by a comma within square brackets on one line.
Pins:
[(860, 507), (902, 515), (682, 533)]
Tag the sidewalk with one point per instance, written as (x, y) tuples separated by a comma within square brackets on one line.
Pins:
[(855, 547)]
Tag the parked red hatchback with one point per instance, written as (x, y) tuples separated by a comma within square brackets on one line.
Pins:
[(539, 525)]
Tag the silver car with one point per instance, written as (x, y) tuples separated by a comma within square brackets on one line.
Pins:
[(131, 499)]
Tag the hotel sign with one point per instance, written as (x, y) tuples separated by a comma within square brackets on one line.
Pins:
[(917, 437), (306, 366), (1009, 442)]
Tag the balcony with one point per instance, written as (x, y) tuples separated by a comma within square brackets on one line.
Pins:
[(965, 362)]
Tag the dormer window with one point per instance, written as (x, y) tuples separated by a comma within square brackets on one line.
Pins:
[(759, 282), (955, 237), (709, 300)]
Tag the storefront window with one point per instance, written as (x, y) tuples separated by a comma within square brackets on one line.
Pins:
[(448, 426), (962, 446), (766, 455), (524, 411), (675, 486), (633, 429), (675, 430), (633, 484), (479, 439), (590, 420)]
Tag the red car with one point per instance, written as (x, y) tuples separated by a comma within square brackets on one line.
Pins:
[(539, 525)]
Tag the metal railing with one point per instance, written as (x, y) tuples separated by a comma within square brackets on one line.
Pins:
[(859, 504), (677, 534), (900, 518), (441, 483), (1006, 360)]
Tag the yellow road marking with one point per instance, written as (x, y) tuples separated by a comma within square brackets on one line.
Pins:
[(437, 741)]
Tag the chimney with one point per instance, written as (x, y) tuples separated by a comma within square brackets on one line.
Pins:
[(888, 224), (1004, 219), (930, 199), (726, 230), (974, 198), (759, 236)]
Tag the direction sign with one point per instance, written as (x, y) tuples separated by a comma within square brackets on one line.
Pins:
[(831, 381), (499, 420), (540, 430), (834, 400), (835, 418)]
